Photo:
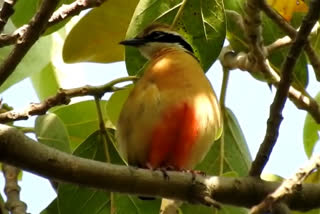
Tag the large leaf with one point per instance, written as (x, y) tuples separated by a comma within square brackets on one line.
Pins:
[(52, 208), (34, 61), (116, 102), (311, 131), (202, 23), (236, 155), (102, 28), (50, 130), (81, 120), (45, 82)]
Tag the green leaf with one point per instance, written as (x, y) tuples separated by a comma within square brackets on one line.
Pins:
[(116, 102), (51, 131), (103, 28), (24, 10), (202, 23), (45, 82), (271, 177), (52, 208), (34, 61), (311, 132), (81, 120), (236, 155)]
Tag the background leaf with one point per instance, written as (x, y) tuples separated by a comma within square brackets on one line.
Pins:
[(236, 153), (116, 102), (103, 28), (311, 132), (52, 208), (51, 131), (81, 120), (45, 82), (202, 24)]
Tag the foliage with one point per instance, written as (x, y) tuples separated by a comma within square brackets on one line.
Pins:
[(74, 128)]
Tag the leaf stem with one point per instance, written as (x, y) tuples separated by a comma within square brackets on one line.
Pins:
[(104, 138), (183, 3), (223, 92)]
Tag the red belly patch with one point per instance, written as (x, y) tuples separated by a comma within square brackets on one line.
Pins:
[(173, 138)]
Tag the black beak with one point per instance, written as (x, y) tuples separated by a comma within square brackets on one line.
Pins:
[(133, 42)]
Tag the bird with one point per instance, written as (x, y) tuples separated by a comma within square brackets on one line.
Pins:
[(172, 116)]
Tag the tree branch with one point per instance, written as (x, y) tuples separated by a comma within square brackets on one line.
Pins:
[(12, 190), (286, 27), (277, 106), (69, 10), (6, 11), (32, 34), (302, 100), (288, 187), (21, 151), (62, 97)]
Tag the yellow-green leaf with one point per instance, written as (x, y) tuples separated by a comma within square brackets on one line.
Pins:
[(96, 37)]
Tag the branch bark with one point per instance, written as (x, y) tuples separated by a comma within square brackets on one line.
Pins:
[(32, 34), (275, 117), (23, 152)]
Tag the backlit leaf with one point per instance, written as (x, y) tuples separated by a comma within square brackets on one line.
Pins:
[(96, 37)]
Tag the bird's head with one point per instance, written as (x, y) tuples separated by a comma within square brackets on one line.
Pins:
[(156, 37)]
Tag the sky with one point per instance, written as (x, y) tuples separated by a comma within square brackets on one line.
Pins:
[(248, 98)]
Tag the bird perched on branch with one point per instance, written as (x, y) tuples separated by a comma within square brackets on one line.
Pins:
[(172, 116)]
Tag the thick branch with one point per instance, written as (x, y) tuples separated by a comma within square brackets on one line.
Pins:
[(277, 106), (23, 152), (32, 34), (62, 97)]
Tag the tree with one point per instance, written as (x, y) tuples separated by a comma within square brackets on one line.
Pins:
[(74, 157)]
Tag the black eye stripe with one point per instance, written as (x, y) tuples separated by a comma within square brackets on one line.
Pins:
[(159, 36)]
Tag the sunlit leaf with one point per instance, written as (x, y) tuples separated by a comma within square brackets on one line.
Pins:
[(51, 131), (81, 120), (287, 8), (271, 177), (45, 82), (115, 104), (311, 131), (96, 37), (202, 23)]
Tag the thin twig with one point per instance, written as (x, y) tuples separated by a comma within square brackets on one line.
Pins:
[(12, 190), (288, 187), (32, 34), (69, 10), (6, 11), (301, 99), (62, 97), (277, 106)]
